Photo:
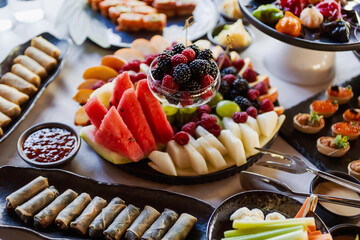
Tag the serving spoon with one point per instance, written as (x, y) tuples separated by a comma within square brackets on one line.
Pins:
[(255, 181)]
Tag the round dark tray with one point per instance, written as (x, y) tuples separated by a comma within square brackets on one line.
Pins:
[(322, 44)]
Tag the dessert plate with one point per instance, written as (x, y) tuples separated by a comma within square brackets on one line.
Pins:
[(12, 178), (5, 66)]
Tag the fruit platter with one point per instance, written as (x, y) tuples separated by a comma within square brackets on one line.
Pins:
[(183, 119), (317, 25)]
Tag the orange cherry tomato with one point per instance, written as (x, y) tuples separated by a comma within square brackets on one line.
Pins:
[(289, 25)]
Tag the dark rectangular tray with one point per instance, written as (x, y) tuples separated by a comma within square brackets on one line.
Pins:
[(306, 143)]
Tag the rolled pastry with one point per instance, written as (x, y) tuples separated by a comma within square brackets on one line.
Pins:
[(32, 65), (26, 74), (46, 46), (46, 216), (42, 58), (72, 211), (12, 94), (142, 223), (161, 225), (8, 108), (118, 227), (181, 228), (17, 82), (26, 192), (4, 120), (27, 210), (107, 215), (82, 223)]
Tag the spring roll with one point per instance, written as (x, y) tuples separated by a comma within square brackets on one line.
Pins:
[(4, 120), (161, 225), (46, 216), (181, 228), (17, 82), (42, 58), (107, 215), (26, 74), (8, 108), (12, 94), (27, 210), (26, 192), (82, 223), (46, 46), (72, 211), (32, 65), (118, 227), (142, 223)]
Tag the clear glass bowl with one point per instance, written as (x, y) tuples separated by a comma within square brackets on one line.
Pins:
[(168, 97)]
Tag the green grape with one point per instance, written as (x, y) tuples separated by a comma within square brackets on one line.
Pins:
[(217, 98), (185, 115), (226, 108), (219, 121), (187, 110), (169, 110)]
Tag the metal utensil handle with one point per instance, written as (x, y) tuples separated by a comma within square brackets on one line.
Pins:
[(338, 200), (343, 182)]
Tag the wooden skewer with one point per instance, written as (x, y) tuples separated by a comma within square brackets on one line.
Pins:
[(187, 24), (228, 38)]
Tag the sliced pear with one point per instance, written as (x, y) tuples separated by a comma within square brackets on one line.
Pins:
[(212, 154), (163, 161), (203, 44), (267, 122), (104, 93), (234, 146), (264, 140), (196, 160), (144, 68), (250, 139), (202, 132), (178, 154), (232, 126), (253, 124), (197, 146)]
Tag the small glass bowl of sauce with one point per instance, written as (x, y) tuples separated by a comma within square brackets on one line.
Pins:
[(48, 144)]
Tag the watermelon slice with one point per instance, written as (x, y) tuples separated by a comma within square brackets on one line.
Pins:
[(154, 113), (134, 118), (122, 83), (95, 110), (114, 135)]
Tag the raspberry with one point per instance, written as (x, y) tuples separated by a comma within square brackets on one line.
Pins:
[(206, 81), (189, 128), (253, 94), (98, 84), (215, 130), (207, 121), (250, 75), (134, 65), (203, 109), (177, 59), (240, 117), (195, 48), (262, 87), (226, 63), (189, 54), (229, 78), (196, 120), (207, 95), (252, 112), (149, 59), (238, 64), (133, 78), (124, 68), (181, 138), (140, 76), (185, 99), (169, 84), (266, 105)]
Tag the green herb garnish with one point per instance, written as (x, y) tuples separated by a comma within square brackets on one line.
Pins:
[(348, 87), (341, 141), (357, 237), (315, 118)]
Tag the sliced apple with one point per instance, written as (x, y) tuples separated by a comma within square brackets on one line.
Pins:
[(203, 44), (129, 54), (144, 68), (143, 46), (253, 124), (163, 161), (261, 78), (247, 64), (81, 119), (196, 145), (232, 126), (197, 161), (202, 132), (178, 154), (104, 93), (217, 50), (234, 146), (159, 43), (272, 95), (212, 154), (234, 56), (250, 139), (267, 122)]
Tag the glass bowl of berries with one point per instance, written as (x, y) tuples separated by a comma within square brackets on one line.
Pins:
[(184, 76)]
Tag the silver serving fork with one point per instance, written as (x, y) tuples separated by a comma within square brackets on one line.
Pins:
[(297, 166)]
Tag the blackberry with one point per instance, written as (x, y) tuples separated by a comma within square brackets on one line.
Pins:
[(178, 48), (157, 73), (213, 69), (199, 67), (241, 85), (165, 54), (182, 74), (173, 98), (205, 54), (232, 94), (243, 103), (165, 64), (224, 88), (191, 85), (195, 48), (229, 70), (256, 104)]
